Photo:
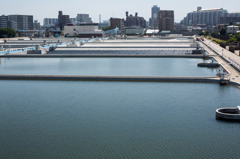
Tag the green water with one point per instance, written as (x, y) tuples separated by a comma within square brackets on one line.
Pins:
[(72, 119)]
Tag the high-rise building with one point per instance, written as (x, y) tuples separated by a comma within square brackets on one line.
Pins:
[(83, 18), (49, 22), (36, 25), (117, 22), (73, 20), (63, 19), (227, 18), (209, 17), (166, 20), (3, 21), (154, 18), (23, 22)]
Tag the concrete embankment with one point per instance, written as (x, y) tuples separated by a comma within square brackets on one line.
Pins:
[(99, 55), (208, 64), (111, 78)]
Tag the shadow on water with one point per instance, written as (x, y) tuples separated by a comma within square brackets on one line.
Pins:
[(227, 121)]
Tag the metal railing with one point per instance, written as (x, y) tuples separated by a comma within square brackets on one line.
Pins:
[(234, 63)]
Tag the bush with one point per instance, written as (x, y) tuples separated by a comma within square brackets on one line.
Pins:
[(232, 39), (218, 41)]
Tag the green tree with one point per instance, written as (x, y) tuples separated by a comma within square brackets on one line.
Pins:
[(3, 33), (213, 34), (238, 36), (232, 39), (106, 28), (223, 31), (202, 33), (11, 32)]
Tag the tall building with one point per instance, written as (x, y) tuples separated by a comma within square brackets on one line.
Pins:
[(73, 20), (209, 17), (83, 18), (36, 25), (63, 19), (135, 21), (117, 22), (48, 22), (23, 22), (154, 18), (227, 18), (166, 20), (3, 21)]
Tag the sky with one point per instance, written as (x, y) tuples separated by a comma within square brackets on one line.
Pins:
[(41, 9)]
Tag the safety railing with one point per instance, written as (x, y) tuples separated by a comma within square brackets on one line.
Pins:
[(234, 63)]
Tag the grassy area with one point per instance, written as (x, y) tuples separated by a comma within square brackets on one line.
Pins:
[(216, 40)]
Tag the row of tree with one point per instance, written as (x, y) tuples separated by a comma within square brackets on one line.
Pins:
[(7, 33)]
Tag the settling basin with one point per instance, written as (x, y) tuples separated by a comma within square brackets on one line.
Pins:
[(175, 67)]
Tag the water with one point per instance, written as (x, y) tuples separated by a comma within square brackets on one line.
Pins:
[(72, 119), (106, 66)]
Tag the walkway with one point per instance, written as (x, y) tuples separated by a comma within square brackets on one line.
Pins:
[(223, 58)]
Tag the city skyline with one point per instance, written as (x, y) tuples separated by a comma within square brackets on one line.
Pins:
[(107, 9)]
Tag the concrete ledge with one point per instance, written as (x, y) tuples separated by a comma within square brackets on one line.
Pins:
[(102, 55), (208, 64), (111, 78)]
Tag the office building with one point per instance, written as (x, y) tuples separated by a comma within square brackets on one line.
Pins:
[(117, 22), (21, 22), (83, 18), (36, 25), (49, 22), (210, 17), (73, 20), (166, 20), (154, 18), (63, 19), (227, 18), (3, 21), (135, 21)]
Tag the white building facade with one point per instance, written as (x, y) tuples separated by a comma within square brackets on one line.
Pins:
[(83, 30), (210, 17), (48, 22)]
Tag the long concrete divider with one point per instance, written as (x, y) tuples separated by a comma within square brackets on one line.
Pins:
[(111, 78), (100, 55)]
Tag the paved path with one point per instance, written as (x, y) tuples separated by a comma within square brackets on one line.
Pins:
[(234, 74)]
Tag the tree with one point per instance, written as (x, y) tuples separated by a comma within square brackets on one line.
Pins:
[(213, 34), (202, 33), (238, 36), (106, 28), (232, 39), (223, 31), (3, 33), (11, 32)]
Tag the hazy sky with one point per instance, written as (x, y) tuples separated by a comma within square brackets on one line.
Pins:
[(41, 9)]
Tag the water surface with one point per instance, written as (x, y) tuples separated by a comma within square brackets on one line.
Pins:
[(72, 119), (106, 66)]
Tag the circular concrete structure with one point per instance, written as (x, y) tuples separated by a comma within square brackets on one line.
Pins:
[(228, 114)]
